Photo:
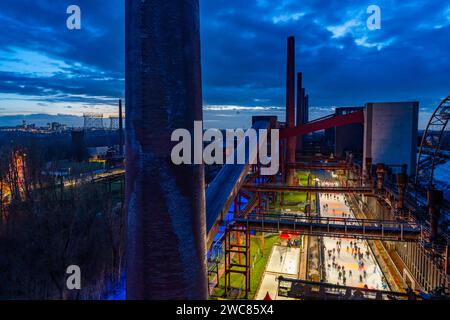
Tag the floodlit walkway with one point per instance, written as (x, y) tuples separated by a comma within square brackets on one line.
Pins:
[(283, 261), (354, 256)]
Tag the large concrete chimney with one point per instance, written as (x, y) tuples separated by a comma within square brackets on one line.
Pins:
[(166, 251), (290, 108)]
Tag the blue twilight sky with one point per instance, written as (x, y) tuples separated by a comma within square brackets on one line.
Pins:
[(46, 68)]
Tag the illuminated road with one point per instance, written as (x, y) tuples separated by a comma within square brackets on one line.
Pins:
[(74, 181)]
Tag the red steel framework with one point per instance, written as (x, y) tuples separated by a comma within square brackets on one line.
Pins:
[(236, 248), (322, 124)]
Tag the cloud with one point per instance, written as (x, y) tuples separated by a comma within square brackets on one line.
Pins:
[(364, 42), (243, 52), (343, 62), (288, 17), (41, 58), (343, 29)]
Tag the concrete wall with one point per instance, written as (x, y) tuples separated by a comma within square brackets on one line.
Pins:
[(349, 138), (390, 133)]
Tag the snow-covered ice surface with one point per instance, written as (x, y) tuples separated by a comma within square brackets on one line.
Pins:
[(269, 284), (287, 266), (373, 279), (284, 260)]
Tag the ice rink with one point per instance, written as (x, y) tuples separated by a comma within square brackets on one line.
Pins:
[(358, 270), (353, 260), (283, 261)]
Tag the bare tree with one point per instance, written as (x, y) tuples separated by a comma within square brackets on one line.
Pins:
[(45, 228)]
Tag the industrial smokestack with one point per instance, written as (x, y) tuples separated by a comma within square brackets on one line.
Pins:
[(300, 93), (299, 98), (290, 108), (306, 108), (120, 128), (303, 97), (304, 139), (166, 247)]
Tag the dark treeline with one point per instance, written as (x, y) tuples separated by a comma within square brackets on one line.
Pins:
[(58, 146), (44, 228)]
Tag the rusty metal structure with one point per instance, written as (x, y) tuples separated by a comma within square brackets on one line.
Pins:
[(282, 188), (172, 225), (389, 230), (300, 97), (300, 109), (290, 107), (93, 120), (301, 289), (166, 249), (408, 235), (237, 245), (323, 123)]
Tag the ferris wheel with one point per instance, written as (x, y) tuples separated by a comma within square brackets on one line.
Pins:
[(432, 148)]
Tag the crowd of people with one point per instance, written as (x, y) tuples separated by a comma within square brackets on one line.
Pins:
[(360, 252), (326, 208), (342, 254)]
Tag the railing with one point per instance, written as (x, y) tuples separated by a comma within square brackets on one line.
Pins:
[(335, 227), (322, 270), (291, 188), (320, 166), (300, 289)]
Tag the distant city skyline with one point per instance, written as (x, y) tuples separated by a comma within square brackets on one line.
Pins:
[(47, 69)]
